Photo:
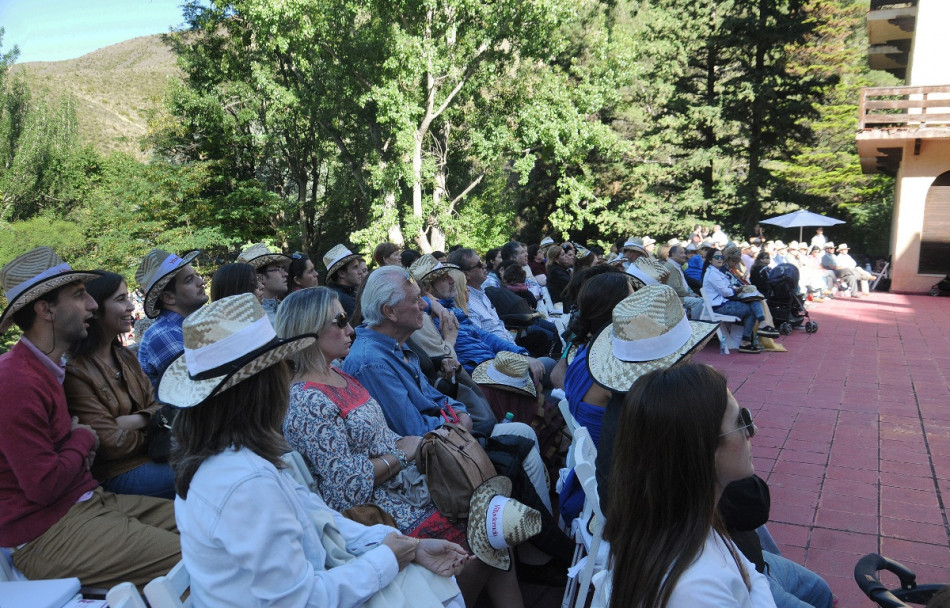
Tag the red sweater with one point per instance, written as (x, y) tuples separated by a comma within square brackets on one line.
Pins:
[(42, 462)]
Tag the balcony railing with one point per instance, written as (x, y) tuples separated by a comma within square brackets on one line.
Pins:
[(905, 107)]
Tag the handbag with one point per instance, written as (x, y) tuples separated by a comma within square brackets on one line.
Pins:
[(454, 465), (159, 433)]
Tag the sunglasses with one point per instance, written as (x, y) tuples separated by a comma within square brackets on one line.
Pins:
[(340, 320), (745, 420), (717, 257), (479, 265), (297, 256)]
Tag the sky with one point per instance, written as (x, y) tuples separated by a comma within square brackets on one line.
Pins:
[(54, 30)]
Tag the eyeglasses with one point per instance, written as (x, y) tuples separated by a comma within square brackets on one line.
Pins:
[(473, 267), (274, 268), (717, 257), (745, 417), (340, 320)]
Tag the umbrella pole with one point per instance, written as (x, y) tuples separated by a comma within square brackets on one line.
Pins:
[(799, 234)]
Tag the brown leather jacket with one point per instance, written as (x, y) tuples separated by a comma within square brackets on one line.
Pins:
[(98, 397)]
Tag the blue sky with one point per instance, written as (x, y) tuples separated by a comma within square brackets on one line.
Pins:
[(53, 30)]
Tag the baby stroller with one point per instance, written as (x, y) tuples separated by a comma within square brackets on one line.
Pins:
[(787, 309), (942, 288), (865, 574)]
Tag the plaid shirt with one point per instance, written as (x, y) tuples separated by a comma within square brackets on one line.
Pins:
[(162, 342)]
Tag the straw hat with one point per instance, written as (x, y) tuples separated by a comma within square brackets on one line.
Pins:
[(497, 522), (580, 252), (649, 331), (547, 241), (27, 277), (427, 267), (843, 247), (647, 241), (337, 257), (793, 245), (707, 244), (673, 242), (157, 269), (635, 244), (780, 245), (830, 245), (507, 371), (648, 271), (259, 256), (803, 246), (226, 342)]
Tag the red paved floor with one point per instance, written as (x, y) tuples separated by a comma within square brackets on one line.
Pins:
[(854, 436)]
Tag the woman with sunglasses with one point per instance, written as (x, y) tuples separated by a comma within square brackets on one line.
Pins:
[(351, 452), (724, 291), (682, 438)]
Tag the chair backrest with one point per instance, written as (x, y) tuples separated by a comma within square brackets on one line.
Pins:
[(298, 468), (166, 591), (124, 595), (6, 566), (569, 418)]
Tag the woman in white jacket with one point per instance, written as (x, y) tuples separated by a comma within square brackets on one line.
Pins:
[(250, 534)]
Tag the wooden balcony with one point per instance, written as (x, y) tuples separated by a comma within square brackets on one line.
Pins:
[(889, 117)]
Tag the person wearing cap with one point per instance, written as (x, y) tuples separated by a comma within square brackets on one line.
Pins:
[(173, 290), (272, 271), (53, 513), (345, 271), (251, 534), (829, 262)]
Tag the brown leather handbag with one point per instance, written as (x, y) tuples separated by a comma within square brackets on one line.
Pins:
[(454, 465)]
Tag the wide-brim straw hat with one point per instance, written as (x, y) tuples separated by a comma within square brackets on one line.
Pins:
[(843, 247), (580, 252), (547, 241), (829, 245), (429, 268), (647, 241), (29, 276), (259, 256), (707, 244), (507, 371), (226, 342), (497, 522), (649, 331), (157, 269), (648, 271), (635, 244), (337, 257)]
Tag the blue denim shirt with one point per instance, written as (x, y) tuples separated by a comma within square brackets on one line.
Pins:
[(391, 373), (162, 342), (474, 345)]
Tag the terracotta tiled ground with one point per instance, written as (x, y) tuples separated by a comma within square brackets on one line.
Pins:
[(854, 436)]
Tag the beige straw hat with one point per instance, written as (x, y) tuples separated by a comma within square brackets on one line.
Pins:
[(427, 267), (843, 247), (580, 252), (337, 257), (154, 273), (507, 371), (547, 241), (649, 331), (226, 342), (635, 244), (259, 256), (36, 272), (647, 241), (497, 522), (648, 271)]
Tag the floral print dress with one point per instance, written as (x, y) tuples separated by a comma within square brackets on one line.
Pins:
[(338, 430)]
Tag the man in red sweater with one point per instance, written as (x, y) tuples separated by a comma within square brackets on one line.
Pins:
[(53, 514)]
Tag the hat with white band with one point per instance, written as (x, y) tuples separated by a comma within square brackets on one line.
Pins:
[(649, 331), (648, 271), (29, 276), (547, 241), (226, 342), (337, 257), (155, 271), (635, 244), (507, 371), (497, 522)]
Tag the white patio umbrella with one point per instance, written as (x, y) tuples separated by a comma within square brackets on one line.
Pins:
[(800, 218)]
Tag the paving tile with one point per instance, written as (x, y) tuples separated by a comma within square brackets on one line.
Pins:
[(913, 530), (837, 540), (923, 498), (801, 456), (789, 534), (902, 510), (850, 474), (867, 507), (911, 482), (851, 488), (849, 522), (909, 552)]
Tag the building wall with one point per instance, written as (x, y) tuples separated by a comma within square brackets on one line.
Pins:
[(916, 175), (929, 64)]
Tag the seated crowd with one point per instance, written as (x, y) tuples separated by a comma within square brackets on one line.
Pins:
[(117, 464)]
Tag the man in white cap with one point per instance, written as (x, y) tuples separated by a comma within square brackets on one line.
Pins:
[(53, 513), (173, 290)]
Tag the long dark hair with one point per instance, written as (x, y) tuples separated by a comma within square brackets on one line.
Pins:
[(708, 259), (233, 279), (663, 480), (101, 289), (297, 266), (248, 415), (596, 301)]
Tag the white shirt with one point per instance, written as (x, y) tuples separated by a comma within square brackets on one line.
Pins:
[(247, 539), (483, 314)]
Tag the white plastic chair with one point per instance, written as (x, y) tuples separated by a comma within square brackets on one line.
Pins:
[(124, 595), (725, 322), (569, 418), (166, 591), (298, 468), (587, 529)]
